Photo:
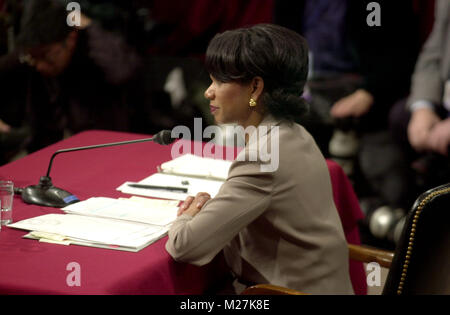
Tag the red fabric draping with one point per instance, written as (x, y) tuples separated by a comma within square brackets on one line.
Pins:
[(350, 213), (196, 22)]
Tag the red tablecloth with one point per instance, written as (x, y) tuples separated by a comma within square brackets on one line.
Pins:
[(30, 267)]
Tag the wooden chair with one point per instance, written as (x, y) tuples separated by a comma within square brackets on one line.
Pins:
[(422, 257)]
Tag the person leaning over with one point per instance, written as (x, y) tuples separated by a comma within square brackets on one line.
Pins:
[(279, 227)]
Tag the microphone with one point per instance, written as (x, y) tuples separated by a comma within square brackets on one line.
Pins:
[(47, 195)]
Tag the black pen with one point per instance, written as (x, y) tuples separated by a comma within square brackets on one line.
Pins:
[(179, 189)]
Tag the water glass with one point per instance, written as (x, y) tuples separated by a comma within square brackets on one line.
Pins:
[(6, 201)]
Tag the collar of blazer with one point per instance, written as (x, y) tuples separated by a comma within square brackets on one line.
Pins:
[(263, 128)]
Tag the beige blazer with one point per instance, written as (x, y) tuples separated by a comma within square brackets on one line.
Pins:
[(279, 227)]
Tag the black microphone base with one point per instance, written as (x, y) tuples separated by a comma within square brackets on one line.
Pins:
[(47, 195)]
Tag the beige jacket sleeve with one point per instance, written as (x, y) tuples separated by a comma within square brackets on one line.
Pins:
[(427, 81), (242, 198)]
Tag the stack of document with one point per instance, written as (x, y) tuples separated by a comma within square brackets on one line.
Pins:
[(192, 173), (134, 223), (196, 166), (128, 225)]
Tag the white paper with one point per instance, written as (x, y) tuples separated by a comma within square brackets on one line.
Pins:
[(196, 166), (156, 212), (94, 230)]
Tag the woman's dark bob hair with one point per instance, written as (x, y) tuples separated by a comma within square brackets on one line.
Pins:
[(274, 53)]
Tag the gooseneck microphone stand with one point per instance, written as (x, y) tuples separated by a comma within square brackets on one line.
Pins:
[(47, 195)]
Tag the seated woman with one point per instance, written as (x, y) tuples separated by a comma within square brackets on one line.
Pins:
[(277, 226)]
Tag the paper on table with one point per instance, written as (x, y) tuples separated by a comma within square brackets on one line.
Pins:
[(157, 212), (195, 186), (152, 202), (93, 230), (196, 166)]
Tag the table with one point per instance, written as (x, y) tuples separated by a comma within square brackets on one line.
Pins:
[(30, 267)]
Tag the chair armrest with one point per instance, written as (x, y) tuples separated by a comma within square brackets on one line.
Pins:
[(369, 254), (268, 289)]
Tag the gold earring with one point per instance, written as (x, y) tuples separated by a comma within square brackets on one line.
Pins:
[(252, 102)]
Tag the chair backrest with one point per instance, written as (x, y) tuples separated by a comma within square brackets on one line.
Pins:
[(422, 257)]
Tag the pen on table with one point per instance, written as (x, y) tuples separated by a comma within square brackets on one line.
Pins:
[(168, 188)]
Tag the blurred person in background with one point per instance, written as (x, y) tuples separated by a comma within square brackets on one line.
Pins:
[(13, 133), (73, 78), (422, 126), (167, 90)]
